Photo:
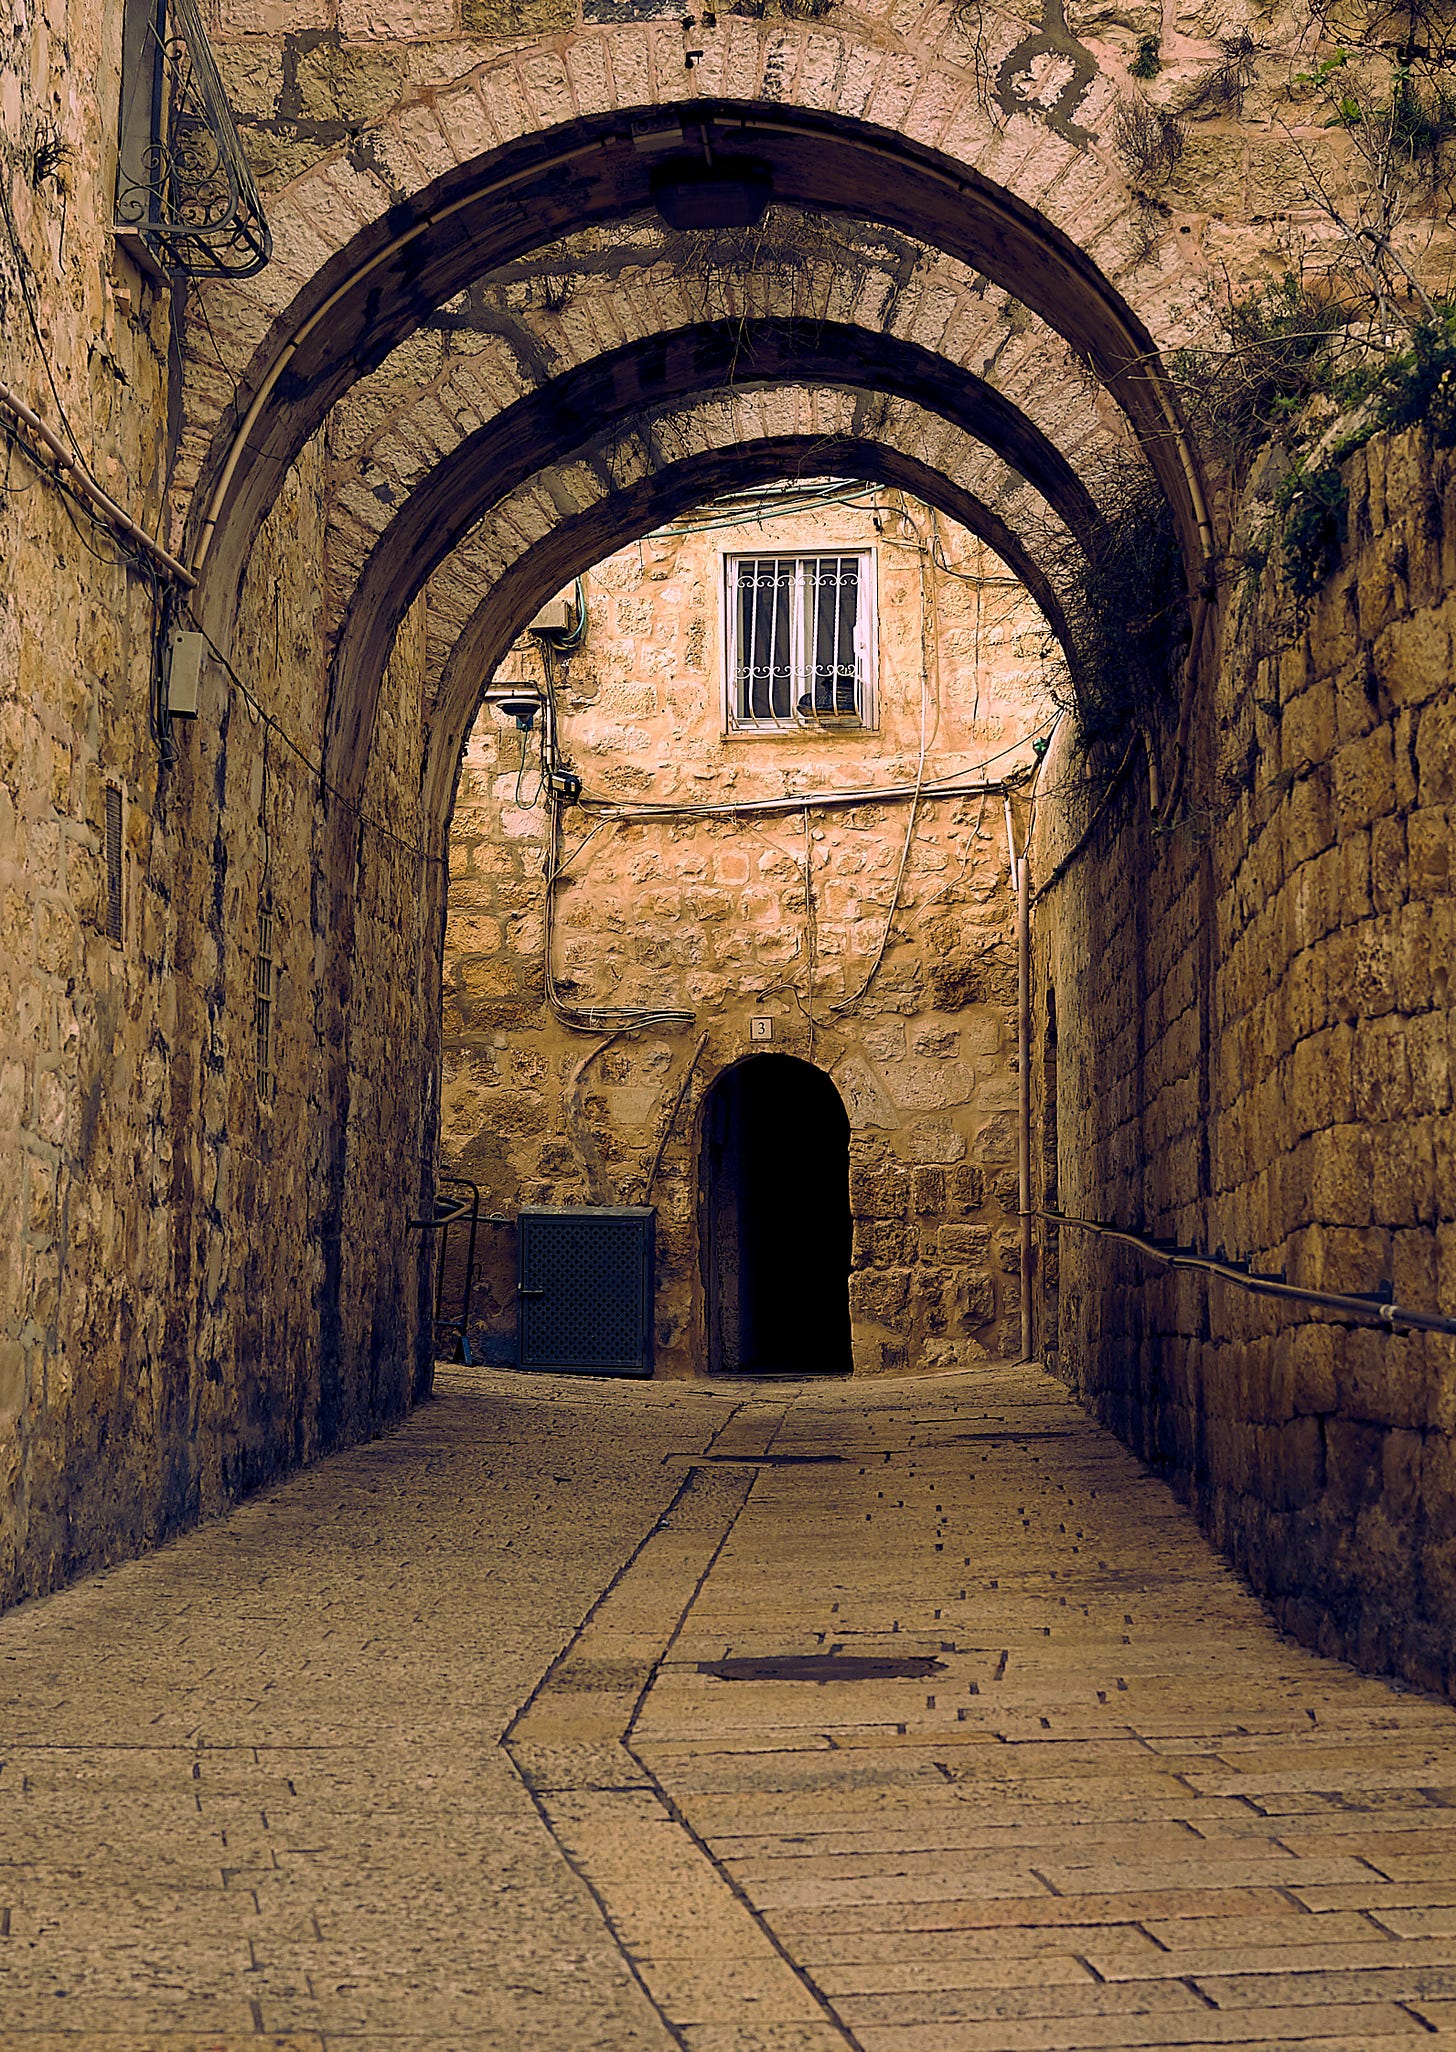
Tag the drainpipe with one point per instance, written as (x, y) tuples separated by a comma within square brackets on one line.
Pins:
[(1023, 977), (1020, 871)]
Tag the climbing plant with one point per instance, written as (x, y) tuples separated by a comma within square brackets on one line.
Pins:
[(1269, 352), (1316, 362), (1123, 594)]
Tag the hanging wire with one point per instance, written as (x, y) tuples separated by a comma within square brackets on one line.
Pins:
[(948, 785), (971, 783), (526, 804), (587, 1018), (929, 649), (22, 272), (766, 505), (315, 767)]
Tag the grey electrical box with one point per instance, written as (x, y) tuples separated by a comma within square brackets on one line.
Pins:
[(584, 1288), (185, 651)]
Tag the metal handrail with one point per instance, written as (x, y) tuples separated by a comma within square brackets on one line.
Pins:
[(450, 1211), (1376, 1305)]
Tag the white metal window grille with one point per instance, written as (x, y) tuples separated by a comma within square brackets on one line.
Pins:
[(263, 992), (800, 634), (114, 900)]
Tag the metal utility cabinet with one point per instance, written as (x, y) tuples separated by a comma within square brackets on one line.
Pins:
[(584, 1288)]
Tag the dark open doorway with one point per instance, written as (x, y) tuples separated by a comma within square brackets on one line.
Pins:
[(776, 1213)]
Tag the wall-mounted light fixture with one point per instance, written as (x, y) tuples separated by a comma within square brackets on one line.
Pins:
[(521, 709)]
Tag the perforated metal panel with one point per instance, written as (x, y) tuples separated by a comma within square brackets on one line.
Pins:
[(585, 1289)]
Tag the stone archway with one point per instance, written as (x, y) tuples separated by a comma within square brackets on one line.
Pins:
[(595, 417), (378, 285), (529, 567), (798, 297)]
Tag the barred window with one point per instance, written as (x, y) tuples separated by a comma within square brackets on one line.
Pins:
[(800, 639)]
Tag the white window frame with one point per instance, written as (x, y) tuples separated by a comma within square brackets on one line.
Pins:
[(866, 643)]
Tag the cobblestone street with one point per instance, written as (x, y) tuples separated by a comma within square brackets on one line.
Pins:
[(426, 1749)]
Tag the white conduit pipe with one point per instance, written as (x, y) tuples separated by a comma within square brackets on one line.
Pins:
[(85, 484), (1020, 874)]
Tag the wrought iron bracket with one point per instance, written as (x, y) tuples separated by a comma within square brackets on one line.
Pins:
[(184, 191)]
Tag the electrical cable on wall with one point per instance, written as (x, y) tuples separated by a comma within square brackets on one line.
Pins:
[(1079, 846), (560, 788), (588, 1018), (952, 784), (526, 804), (762, 506), (132, 542), (22, 273), (671, 1120), (585, 1018), (95, 500), (599, 1186), (949, 891), (929, 649)]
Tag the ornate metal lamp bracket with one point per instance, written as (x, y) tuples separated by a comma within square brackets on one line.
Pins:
[(184, 189)]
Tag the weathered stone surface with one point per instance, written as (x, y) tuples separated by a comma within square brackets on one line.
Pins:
[(964, 1242), (191, 1302), (714, 914), (506, 1806), (208, 1273), (1290, 984), (517, 17)]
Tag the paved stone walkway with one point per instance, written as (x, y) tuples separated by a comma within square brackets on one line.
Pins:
[(424, 1751)]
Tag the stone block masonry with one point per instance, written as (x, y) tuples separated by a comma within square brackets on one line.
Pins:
[(220, 1010), (1280, 1086), (188, 1305), (774, 918), (456, 1703)]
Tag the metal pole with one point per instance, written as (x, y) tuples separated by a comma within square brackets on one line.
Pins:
[(1023, 1079)]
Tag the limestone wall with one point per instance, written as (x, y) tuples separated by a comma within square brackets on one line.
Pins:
[(86, 1169), (777, 918), (1280, 1084), (188, 1304)]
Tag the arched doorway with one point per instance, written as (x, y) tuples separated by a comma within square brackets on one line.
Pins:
[(775, 1184)]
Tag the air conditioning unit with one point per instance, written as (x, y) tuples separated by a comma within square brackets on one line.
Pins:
[(584, 1288)]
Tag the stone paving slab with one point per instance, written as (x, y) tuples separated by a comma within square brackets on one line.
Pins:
[(416, 1752), (125, 2039)]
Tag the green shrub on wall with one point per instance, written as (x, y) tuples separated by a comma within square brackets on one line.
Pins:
[(1311, 506)]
